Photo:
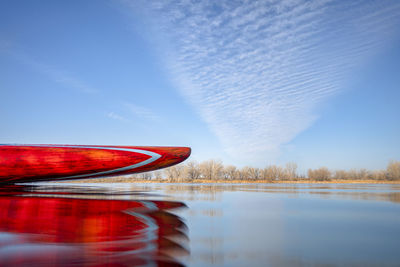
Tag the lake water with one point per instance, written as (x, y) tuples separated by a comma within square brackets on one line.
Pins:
[(201, 225)]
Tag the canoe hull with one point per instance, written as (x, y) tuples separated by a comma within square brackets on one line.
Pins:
[(29, 163)]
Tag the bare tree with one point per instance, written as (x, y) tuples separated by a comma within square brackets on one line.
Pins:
[(362, 174), (169, 173), (242, 174), (211, 169), (321, 174), (192, 171), (245, 173), (379, 175), (174, 173), (254, 173), (276, 172), (266, 174), (230, 172), (291, 170), (157, 175), (341, 175), (214, 170), (393, 170), (179, 172), (145, 176)]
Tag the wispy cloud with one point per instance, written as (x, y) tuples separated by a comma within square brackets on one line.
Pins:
[(141, 112), (133, 113), (115, 116), (257, 70)]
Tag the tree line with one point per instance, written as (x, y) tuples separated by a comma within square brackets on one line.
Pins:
[(215, 170)]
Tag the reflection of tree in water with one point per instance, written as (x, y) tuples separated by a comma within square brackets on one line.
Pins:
[(391, 197), (213, 192), (88, 232), (333, 191), (195, 192), (204, 192)]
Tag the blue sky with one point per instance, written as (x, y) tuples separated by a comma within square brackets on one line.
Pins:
[(248, 82)]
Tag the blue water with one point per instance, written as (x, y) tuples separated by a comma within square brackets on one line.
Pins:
[(279, 224), (289, 225)]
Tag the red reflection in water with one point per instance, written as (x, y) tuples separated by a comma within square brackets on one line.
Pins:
[(87, 232)]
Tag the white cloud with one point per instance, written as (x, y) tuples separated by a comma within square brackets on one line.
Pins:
[(115, 116), (141, 112), (256, 70)]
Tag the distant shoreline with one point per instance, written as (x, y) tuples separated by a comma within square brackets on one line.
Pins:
[(202, 181)]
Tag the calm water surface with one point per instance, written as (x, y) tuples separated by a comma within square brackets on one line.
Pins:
[(202, 225)]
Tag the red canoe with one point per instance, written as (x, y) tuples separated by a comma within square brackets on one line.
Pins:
[(31, 163)]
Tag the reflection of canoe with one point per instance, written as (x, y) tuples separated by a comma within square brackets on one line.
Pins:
[(46, 231), (28, 163)]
